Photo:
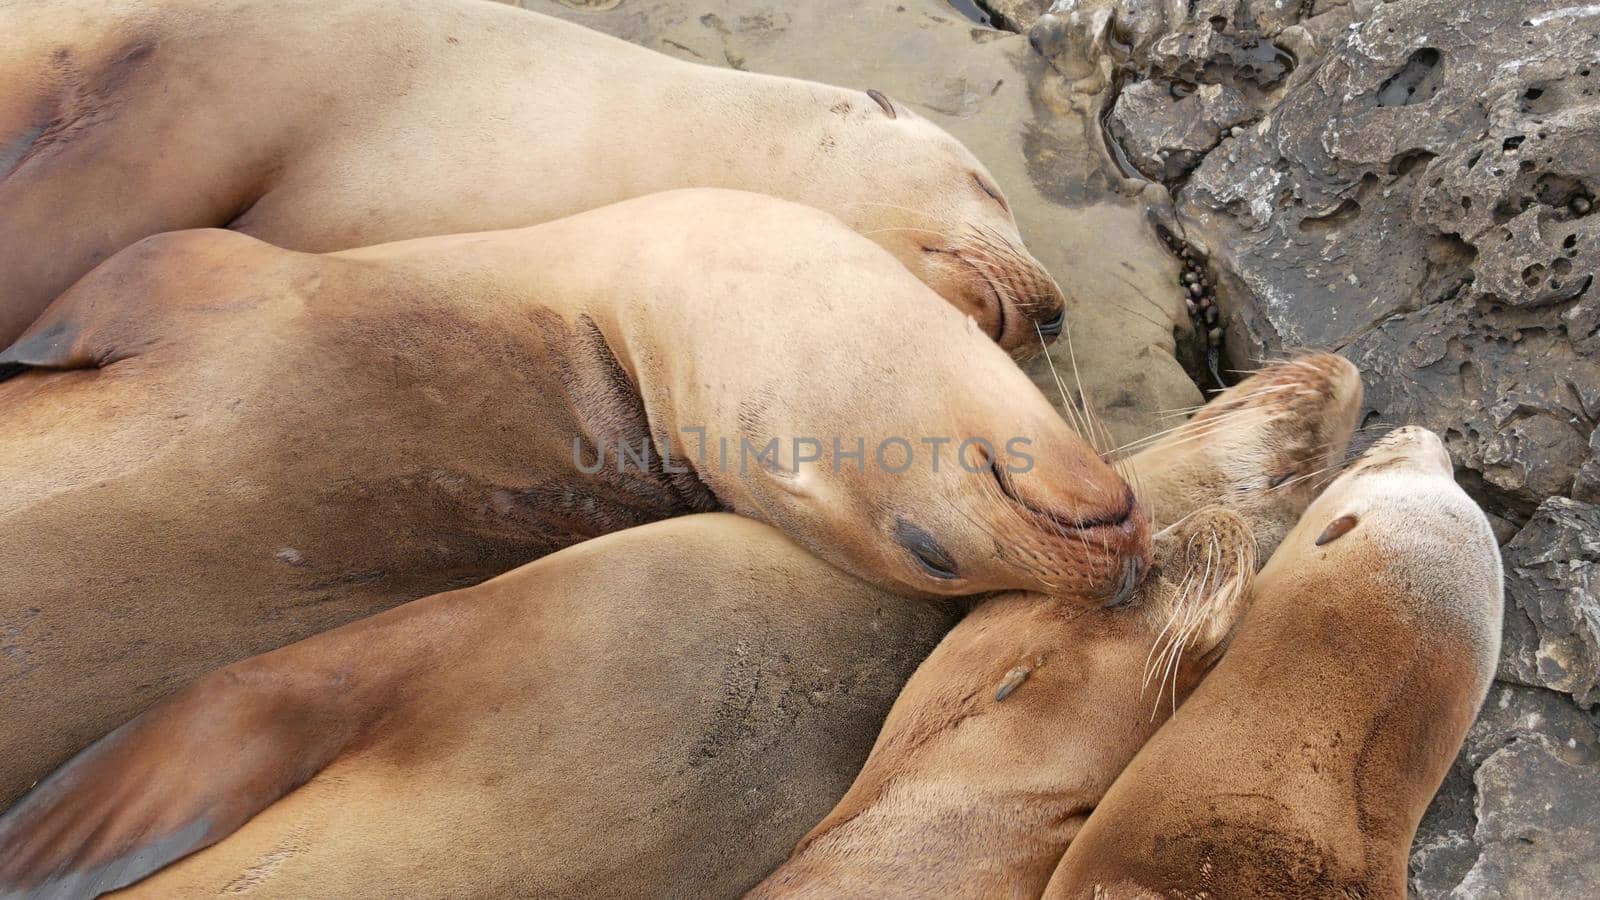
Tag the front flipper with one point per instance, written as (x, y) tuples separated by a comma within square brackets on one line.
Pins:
[(178, 778), (48, 345), (160, 291)]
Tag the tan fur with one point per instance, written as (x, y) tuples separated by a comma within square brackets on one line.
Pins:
[(1281, 431), (607, 721), (248, 445), (469, 743), (1303, 763), (321, 125), (971, 794)]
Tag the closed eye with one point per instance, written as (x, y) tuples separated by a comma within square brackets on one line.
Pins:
[(931, 557), (991, 190)]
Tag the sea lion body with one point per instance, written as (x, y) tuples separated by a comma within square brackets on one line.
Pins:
[(1011, 731), (212, 446), (655, 712), (321, 125), (1303, 763), (645, 686)]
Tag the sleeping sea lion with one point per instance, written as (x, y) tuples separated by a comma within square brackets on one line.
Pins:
[(1012, 730), (322, 125), (210, 446), (1303, 763), (645, 686)]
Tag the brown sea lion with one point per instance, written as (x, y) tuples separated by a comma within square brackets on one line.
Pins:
[(1011, 731), (211, 446), (637, 715), (1303, 763), (1007, 736), (644, 687), (321, 125)]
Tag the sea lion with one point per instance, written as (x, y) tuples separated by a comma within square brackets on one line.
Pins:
[(322, 125), (212, 446), (633, 716), (1283, 430), (644, 686), (1303, 763), (1011, 731)]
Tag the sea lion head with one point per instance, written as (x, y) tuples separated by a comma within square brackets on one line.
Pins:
[(1265, 447), (923, 196), (1395, 536), (953, 480), (1394, 508), (962, 502)]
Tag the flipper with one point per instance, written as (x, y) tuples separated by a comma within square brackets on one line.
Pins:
[(178, 778), (143, 297), (48, 345)]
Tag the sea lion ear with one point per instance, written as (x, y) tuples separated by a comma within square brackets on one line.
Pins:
[(1336, 529), (174, 780), (881, 100)]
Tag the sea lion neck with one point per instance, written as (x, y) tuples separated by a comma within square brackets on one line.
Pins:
[(1012, 669), (761, 141)]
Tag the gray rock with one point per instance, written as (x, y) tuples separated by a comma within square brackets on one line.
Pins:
[(1552, 635), (1015, 15), (1165, 135), (1422, 196), (1536, 811), (1586, 486), (1514, 817)]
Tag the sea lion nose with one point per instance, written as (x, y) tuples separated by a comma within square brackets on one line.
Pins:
[(1052, 327)]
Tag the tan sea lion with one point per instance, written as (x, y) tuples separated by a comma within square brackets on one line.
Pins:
[(643, 686), (1303, 763), (638, 715), (321, 125), (1008, 735), (1010, 732), (210, 446)]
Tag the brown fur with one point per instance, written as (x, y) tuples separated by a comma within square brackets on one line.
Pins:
[(1303, 763), (715, 651), (215, 446), (606, 721), (1012, 730), (321, 125)]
